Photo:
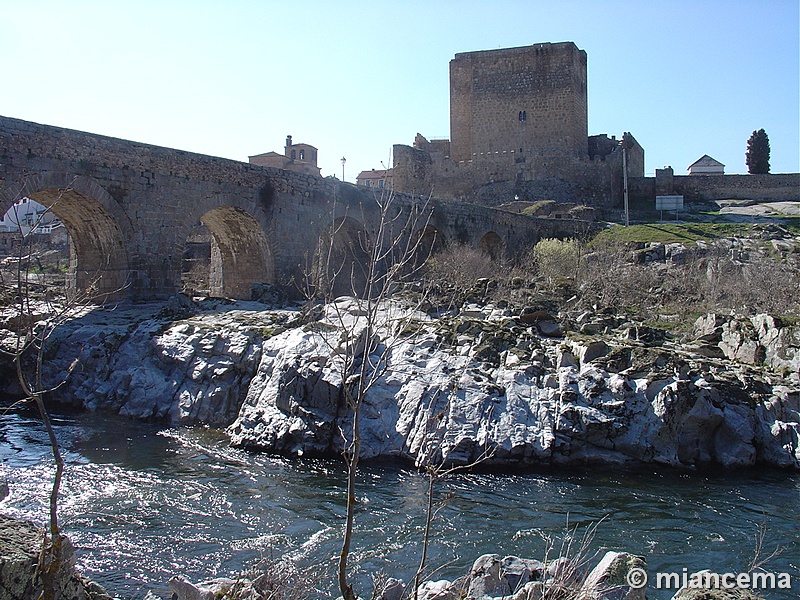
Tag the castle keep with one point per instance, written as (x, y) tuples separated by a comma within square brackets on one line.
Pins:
[(529, 101), (519, 128)]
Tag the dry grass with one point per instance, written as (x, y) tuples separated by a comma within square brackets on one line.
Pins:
[(273, 578), (614, 276)]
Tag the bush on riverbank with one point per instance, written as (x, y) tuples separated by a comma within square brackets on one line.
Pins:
[(668, 285)]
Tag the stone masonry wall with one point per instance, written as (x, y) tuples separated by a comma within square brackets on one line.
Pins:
[(531, 99), (698, 188), (132, 210), (498, 178)]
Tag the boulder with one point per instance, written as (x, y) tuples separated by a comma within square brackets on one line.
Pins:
[(447, 389), (20, 546), (549, 328), (612, 578), (183, 589), (587, 351), (709, 327), (486, 578), (392, 590), (760, 339), (739, 341), (530, 315), (514, 578), (698, 592), (439, 590)]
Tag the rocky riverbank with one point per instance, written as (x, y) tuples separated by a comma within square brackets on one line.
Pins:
[(615, 576), (528, 389), (20, 545)]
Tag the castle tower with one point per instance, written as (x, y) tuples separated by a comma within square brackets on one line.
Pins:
[(529, 100)]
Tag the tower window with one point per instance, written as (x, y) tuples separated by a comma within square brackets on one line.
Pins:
[(294, 154), (523, 116), (302, 154)]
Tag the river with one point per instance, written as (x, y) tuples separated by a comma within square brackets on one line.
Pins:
[(143, 501)]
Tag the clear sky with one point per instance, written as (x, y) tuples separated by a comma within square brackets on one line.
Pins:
[(232, 78)]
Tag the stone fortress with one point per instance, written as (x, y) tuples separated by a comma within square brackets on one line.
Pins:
[(519, 131)]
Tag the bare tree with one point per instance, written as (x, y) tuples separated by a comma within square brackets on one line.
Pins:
[(39, 308), (367, 326)]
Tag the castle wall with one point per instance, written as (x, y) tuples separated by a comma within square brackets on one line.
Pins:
[(697, 188), (518, 120), (497, 177)]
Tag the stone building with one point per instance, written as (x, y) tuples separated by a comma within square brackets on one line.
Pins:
[(375, 178), (300, 158), (519, 128), (523, 101)]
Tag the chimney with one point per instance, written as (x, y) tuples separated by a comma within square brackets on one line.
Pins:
[(288, 141)]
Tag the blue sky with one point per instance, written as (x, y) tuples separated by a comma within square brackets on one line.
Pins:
[(232, 78)]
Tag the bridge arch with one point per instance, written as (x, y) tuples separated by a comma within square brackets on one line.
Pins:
[(492, 246), (238, 254), (429, 242), (342, 258), (98, 229)]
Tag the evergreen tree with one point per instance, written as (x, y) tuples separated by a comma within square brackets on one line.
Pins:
[(757, 156)]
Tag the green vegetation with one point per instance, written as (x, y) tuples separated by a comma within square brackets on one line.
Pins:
[(556, 259), (757, 155), (668, 233), (534, 208)]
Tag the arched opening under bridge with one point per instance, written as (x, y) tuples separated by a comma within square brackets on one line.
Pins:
[(225, 254)]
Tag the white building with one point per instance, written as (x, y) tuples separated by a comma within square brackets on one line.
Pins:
[(705, 165), (26, 215)]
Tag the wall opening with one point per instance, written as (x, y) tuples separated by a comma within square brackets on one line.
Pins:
[(492, 246), (225, 254), (342, 259), (430, 242), (95, 262), (28, 229)]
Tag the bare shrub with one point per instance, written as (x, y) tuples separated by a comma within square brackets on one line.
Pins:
[(613, 277), (567, 557), (610, 279), (459, 266), (273, 579), (556, 259), (764, 284)]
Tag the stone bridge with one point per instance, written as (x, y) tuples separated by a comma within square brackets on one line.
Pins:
[(137, 214)]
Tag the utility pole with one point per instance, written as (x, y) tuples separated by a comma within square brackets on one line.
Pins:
[(625, 177)]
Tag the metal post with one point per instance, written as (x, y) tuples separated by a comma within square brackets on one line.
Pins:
[(625, 178)]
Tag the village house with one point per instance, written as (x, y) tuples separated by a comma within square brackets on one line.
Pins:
[(376, 178), (705, 165), (300, 158)]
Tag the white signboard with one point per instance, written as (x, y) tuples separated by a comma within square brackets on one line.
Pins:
[(669, 203)]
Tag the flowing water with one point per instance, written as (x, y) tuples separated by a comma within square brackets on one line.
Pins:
[(142, 502)]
